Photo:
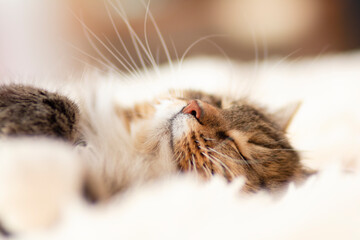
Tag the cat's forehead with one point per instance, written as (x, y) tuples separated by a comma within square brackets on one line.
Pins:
[(236, 105), (247, 117), (217, 100)]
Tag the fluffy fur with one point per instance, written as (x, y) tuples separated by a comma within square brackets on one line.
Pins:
[(181, 207), (25, 110)]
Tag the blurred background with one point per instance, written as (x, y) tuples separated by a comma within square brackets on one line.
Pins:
[(39, 33)]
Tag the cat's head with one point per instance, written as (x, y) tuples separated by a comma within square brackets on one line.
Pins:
[(209, 135)]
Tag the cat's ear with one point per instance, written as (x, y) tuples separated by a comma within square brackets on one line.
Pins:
[(303, 173), (285, 115)]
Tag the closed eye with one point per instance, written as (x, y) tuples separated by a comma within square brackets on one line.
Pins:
[(230, 139), (263, 141), (236, 148)]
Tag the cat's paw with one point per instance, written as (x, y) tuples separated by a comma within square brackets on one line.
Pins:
[(38, 177)]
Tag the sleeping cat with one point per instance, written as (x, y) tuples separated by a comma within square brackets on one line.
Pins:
[(125, 144), (179, 131)]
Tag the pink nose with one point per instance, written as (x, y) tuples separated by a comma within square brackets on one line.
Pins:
[(193, 108)]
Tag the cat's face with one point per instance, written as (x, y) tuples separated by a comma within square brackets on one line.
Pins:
[(211, 136)]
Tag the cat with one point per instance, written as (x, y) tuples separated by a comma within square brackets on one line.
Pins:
[(181, 131), (126, 134)]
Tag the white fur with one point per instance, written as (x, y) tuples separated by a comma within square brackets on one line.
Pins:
[(326, 131), (180, 126), (37, 178)]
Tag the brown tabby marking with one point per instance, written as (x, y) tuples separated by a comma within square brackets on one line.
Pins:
[(26, 110)]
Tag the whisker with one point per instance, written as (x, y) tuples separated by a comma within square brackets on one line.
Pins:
[(221, 154), (161, 38), (220, 162), (195, 43), (127, 66), (120, 39), (147, 7), (265, 49), (207, 170), (88, 31), (176, 52), (322, 51), (212, 162), (194, 163), (123, 61), (177, 157), (284, 149), (208, 139), (224, 166), (91, 66), (241, 161), (136, 40), (228, 59), (273, 68), (256, 52), (132, 34), (91, 57), (157, 55), (105, 46)]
